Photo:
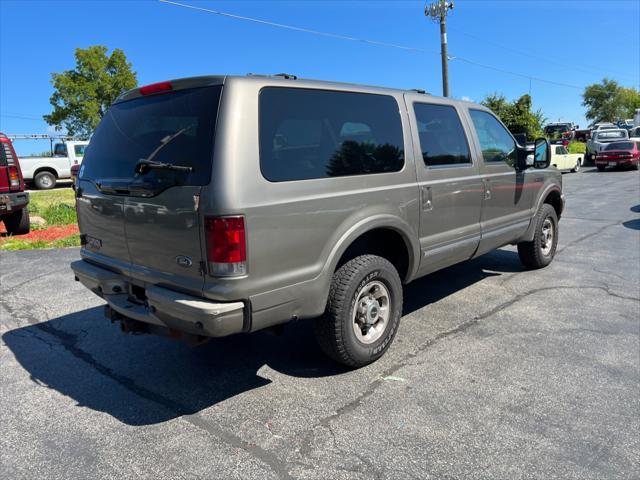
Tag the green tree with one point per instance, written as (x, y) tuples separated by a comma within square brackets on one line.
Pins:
[(607, 101), (83, 95), (517, 115)]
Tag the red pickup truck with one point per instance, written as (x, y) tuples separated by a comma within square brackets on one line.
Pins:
[(13, 199)]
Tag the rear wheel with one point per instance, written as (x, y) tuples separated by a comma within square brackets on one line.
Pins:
[(539, 252), (44, 180), (17, 223), (577, 166), (363, 311)]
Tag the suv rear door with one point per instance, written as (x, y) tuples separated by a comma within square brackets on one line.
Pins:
[(157, 218), (449, 181)]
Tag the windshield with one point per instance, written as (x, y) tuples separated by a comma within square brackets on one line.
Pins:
[(177, 128), (620, 146), (556, 129)]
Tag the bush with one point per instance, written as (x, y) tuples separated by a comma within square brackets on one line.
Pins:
[(59, 214), (577, 147)]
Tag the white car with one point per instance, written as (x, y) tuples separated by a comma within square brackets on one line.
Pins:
[(563, 160)]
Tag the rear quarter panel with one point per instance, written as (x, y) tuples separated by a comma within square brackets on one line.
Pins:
[(296, 230)]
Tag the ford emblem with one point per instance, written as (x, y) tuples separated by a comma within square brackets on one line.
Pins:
[(184, 261)]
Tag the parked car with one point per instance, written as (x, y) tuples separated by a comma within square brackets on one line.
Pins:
[(312, 200), (14, 201), (582, 135), (44, 172), (634, 134), (75, 170), (619, 154), (563, 160), (600, 139), (556, 132)]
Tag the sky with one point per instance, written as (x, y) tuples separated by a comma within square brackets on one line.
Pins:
[(570, 44)]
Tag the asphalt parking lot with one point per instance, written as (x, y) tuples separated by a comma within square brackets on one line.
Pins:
[(496, 372)]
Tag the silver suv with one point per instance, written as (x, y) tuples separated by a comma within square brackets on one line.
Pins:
[(217, 205)]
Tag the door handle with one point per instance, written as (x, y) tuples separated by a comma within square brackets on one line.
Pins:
[(427, 201), (487, 189)]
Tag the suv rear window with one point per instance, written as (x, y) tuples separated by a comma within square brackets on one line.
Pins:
[(442, 138), (307, 134), (135, 129)]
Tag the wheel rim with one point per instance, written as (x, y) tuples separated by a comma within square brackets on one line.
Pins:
[(45, 181), (547, 237), (371, 312)]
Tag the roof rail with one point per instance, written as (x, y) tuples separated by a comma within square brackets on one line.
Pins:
[(287, 76), (419, 90)]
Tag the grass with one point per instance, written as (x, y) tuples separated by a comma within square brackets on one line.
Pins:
[(57, 207), (18, 244)]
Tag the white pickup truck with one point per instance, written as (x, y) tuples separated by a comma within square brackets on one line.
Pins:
[(44, 172), (563, 160)]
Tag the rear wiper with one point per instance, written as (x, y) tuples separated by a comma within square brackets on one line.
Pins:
[(144, 165)]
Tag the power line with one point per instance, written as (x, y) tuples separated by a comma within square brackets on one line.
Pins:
[(21, 116), (367, 41)]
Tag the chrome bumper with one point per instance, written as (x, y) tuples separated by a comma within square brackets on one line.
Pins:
[(162, 307)]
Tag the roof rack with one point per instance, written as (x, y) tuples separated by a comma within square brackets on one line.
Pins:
[(419, 90), (286, 76)]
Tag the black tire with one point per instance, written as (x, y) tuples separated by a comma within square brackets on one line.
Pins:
[(44, 181), (17, 223), (538, 253), (335, 330), (577, 167), (601, 168)]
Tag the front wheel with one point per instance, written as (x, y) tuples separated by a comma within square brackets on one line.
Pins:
[(539, 252), (363, 311)]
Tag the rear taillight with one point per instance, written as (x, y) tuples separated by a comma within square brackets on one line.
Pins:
[(13, 170), (226, 246), (156, 88), (14, 178)]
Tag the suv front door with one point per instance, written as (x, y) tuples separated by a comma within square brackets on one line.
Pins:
[(508, 192), (449, 183)]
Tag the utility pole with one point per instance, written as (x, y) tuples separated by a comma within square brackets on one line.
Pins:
[(438, 12)]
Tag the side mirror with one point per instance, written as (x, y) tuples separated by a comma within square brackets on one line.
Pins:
[(541, 153)]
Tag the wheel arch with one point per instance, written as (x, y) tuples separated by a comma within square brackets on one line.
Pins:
[(551, 195), (46, 169)]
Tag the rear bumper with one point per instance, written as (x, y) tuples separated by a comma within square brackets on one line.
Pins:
[(162, 307), (619, 162), (10, 202)]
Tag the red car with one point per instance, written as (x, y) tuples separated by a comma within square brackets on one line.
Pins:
[(619, 154), (13, 199)]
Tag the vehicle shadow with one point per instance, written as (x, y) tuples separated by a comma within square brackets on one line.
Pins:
[(144, 380)]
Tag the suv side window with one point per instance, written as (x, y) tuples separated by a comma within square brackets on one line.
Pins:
[(308, 133), (442, 138), (496, 143)]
